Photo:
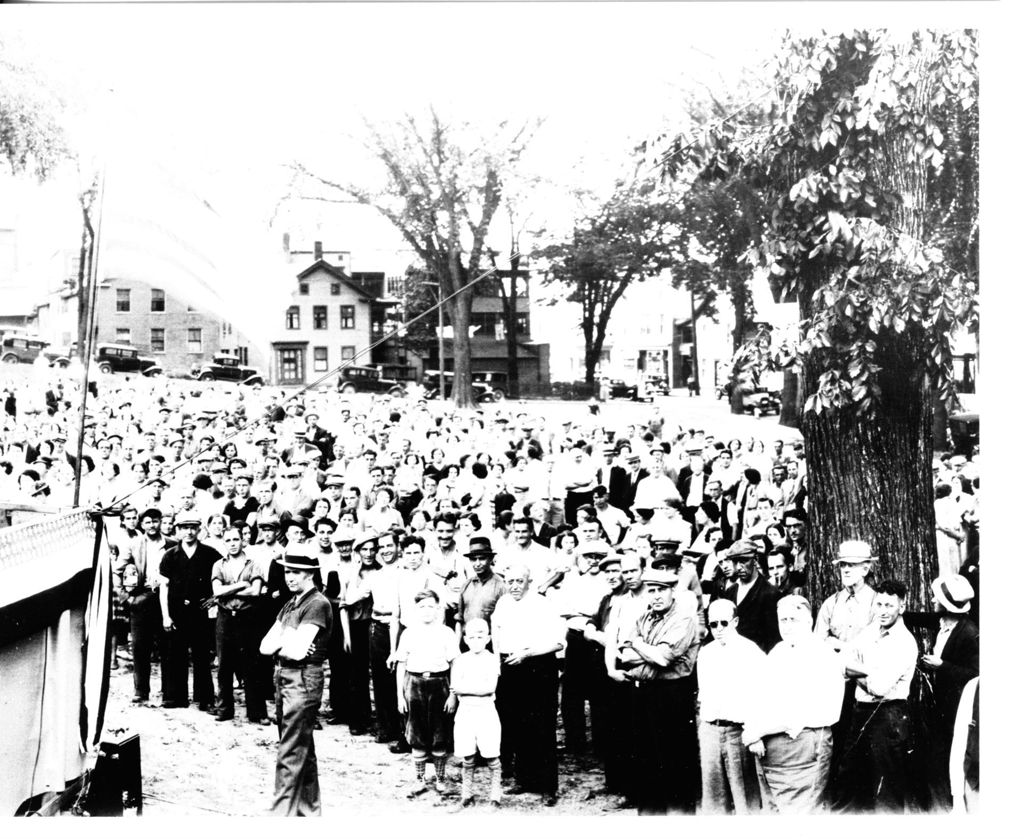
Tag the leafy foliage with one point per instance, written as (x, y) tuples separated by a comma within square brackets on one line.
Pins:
[(32, 139), (629, 238), (873, 207)]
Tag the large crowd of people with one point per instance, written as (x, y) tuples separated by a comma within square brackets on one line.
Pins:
[(461, 584)]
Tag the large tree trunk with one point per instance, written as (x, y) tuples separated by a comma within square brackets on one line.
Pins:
[(511, 328), (462, 390), (872, 480)]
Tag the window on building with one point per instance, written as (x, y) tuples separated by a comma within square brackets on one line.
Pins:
[(348, 353), (124, 300), (522, 324), (319, 317), (195, 340), (319, 359), (348, 317), (335, 289), (303, 288), (123, 335), (156, 303), (156, 340), (291, 318), (290, 366)]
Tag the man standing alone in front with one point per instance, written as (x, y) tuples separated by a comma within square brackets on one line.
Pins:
[(298, 640)]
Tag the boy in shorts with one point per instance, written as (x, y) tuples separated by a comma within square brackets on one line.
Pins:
[(477, 728), (424, 658)]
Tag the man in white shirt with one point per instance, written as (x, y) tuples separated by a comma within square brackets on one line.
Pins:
[(523, 548), (790, 731), (526, 633), (872, 774), (612, 519), (724, 669)]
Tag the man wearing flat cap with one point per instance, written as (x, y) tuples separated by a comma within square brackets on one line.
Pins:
[(659, 654), (185, 585), (298, 641), (754, 596), (952, 663)]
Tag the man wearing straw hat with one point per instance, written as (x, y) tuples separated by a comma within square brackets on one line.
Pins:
[(298, 640), (952, 663), (843, 616)]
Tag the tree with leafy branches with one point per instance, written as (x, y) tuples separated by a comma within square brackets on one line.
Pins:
[(32, 139), (630, 238), (442, 184), (864, 215)]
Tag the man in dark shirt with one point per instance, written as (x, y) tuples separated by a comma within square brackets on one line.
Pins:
[(755, 597), (298, 639), (480, 593), (185, 585)]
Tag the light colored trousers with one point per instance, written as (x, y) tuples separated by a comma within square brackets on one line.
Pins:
[(727, 771)]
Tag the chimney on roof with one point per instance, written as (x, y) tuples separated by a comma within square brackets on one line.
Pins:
[(318, 251)]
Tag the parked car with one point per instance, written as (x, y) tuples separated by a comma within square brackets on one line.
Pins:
[(21, 348), (122, 358), (758, 401), (227, 368), (61, 356), (496, 380), (432, 386), (368, 380), (658, 384), (618, 389)]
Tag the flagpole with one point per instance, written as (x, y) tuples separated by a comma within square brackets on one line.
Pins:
[(86, 351)]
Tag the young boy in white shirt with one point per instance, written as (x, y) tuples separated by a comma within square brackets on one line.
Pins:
[(477, 727), (424, 657)]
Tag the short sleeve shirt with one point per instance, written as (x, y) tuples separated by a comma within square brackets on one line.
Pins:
[(427, 648), (311, 607)]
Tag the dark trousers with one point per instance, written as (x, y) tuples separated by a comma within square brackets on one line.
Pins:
[(527, 702), (385, 691), (359, 676), (147, 631), (664, 726), (296, 779), (580, 684), (619, 743), (236, 655), (840, 731), (338, 659), (872, 773), (190, 638), (267, 610), (427, 728), (575, 500)]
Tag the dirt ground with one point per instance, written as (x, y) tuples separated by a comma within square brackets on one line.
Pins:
[(193, 765)]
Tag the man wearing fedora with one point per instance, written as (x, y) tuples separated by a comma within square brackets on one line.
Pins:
[(658, 654), (480, 593), (952, 663), (298, 640)]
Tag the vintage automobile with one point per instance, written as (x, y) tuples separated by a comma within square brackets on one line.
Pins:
[(431, 387), (496, 380), (357, 379), (658, 384), (122, 358), (61, 356), (757, 401), (21, 348), (227, 368), (618, 389)]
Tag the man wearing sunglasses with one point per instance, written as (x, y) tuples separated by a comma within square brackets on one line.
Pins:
[(725, 667)]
